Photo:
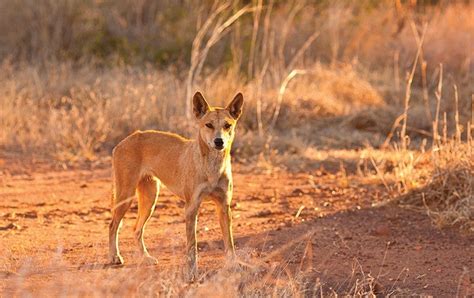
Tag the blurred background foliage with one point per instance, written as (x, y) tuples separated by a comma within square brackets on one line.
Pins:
[(162, 32)]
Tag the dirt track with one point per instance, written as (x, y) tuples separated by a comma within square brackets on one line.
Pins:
[(54, 224)]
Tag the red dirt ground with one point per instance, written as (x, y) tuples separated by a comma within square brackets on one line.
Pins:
[(54, 223)]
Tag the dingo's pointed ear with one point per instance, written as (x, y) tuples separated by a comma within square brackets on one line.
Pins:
[(235, 106), (200, 105)]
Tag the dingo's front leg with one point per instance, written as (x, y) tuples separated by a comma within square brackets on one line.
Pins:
[(191, 211), (225, 220)]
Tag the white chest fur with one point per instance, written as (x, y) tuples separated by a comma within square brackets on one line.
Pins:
[(214, 166)]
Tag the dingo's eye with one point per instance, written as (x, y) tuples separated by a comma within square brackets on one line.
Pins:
[(227, 126), (209, 125)]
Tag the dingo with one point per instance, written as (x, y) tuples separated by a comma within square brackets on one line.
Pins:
[(191, 169)]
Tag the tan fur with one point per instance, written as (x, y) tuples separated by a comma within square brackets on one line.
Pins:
[(192, 169)]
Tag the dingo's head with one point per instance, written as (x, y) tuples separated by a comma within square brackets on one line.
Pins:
[(217, 125)]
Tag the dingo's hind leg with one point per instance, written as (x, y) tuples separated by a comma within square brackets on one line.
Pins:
[(118, 213), (148, 190), (125, 185)]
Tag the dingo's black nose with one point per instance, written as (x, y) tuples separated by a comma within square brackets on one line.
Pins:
[(219, 143)]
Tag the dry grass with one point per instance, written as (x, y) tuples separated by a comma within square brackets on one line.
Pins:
[(275, 275), (72, 113), (69, 113), (448, 193)]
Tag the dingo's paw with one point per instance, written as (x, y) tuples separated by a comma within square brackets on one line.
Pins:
[(149, 260), (116, 260)]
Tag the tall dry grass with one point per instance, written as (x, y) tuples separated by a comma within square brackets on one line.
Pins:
[(441, 180), (79, 112)]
